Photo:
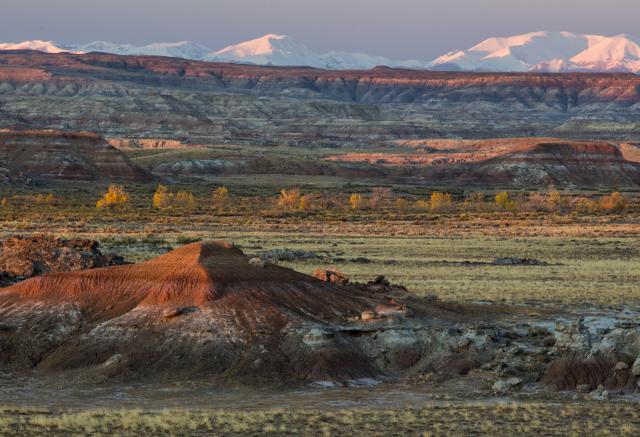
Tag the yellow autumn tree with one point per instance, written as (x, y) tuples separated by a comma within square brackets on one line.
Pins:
[(504, 201), (115, 196), (162, 197), (355, 200), (440, 201), (185, 200), (220, 198)]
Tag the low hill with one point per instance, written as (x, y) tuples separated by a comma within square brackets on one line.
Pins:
[(63, 155)]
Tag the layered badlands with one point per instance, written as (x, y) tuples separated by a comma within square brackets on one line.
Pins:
[(207, 311), (63, 155), (207, 103), (512, 161)]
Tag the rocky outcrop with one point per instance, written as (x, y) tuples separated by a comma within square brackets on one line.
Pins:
[(63, 155), (23, 257)]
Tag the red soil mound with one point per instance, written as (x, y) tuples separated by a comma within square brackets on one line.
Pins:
[(216, 275), (201, 309)]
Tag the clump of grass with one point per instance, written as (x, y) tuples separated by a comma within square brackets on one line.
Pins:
[(186, 239)]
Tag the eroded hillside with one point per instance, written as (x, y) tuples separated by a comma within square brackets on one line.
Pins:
[(201, 102)]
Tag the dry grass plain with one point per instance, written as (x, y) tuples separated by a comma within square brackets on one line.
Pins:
[(596, 419)]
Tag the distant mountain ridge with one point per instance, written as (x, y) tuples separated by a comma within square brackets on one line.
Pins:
[(535, 51)]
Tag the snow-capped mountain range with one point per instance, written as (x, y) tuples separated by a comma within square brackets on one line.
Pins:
[(536, 51), (547, 52)]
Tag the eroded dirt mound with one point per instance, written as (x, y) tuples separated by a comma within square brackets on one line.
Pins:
[(200, 308), (62, 155), (23, 257)]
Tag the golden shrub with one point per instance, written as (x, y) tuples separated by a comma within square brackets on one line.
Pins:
[(115, 196), (289, 199), (614, 202)]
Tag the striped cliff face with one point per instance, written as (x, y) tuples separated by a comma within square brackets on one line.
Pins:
[(205, 102), (65, 156)]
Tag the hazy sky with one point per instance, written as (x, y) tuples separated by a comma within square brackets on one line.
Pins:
[(399, 29)]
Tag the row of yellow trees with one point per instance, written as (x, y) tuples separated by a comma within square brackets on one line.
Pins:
[(294, 200), (163, 198)]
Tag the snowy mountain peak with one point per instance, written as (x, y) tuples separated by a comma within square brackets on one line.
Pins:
[(546, 51), (270, 49), (36, 44)]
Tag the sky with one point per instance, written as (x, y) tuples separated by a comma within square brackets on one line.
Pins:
[(397, 29)]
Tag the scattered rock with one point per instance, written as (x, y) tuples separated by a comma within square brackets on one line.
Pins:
[(257, 262), (621, 365), (509, 261), (174, 312), (275, 255), (331, 275), (113, 360), (171, 312), (635, 369), (23, 257), (505, 386), (583, 388), (382, 285), (599, 394), (360, 260)]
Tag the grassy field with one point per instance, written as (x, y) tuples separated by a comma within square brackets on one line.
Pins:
[(620, 419), (602, 271)]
